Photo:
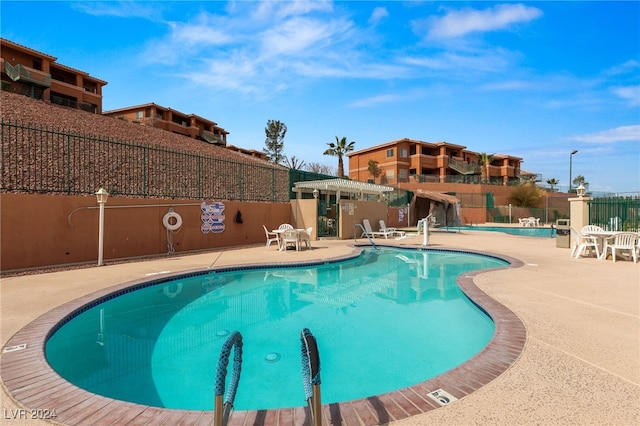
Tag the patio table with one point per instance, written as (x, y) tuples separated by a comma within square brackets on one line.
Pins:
[(603, 240)]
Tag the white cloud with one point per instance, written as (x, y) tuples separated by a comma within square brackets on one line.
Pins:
[(378, 14), (460, 23), (618, 134), (626, 67), (302, 36), (122, 9), (284, 9), (630, 93)]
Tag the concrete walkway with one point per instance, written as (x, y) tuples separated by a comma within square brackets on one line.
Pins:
[(581, 360)]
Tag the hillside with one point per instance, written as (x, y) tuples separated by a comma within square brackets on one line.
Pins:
[(27, 110)]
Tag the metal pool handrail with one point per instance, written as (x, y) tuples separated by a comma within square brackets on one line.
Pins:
[(222, 411), (311, 375), (364, 232)]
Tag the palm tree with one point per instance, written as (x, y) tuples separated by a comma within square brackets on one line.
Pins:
[(485, 162), (552, 182), (294, 163), (338, 149)]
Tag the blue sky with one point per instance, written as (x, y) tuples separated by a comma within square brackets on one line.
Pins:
[(535, 80)]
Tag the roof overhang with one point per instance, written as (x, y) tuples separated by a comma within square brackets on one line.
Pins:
[(341, 185)]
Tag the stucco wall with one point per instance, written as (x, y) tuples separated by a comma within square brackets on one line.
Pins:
[(354, 211), (46, 230)]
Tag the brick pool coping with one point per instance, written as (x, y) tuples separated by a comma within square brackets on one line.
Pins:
[(30, 380)]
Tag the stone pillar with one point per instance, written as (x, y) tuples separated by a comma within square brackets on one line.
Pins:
[(579, 212)]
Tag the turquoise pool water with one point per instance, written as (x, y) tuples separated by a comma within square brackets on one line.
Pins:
[(387, 319), (524, 231)]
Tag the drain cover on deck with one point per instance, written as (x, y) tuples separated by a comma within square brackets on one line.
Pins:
[(442, 397)]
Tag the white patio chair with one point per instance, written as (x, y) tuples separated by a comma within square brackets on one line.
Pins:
[(394, 231), (271, 238), (290, 237), (624, 241), (369, 231), (588, 228), (583, 242), (523, 222), (285, 226), (305, 237)]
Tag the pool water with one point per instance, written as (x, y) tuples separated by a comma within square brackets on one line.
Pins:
[(524, 231), (385, 320)]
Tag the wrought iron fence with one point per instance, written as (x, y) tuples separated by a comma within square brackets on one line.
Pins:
[(615, 213), (44, 159)]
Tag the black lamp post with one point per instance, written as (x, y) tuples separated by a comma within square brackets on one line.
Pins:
[(575, 151)]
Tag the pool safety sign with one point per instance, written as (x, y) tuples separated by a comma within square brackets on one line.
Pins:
[(212, 217)]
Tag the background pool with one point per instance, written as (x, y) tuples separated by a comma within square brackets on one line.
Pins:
[(524, 231), (383, 321)]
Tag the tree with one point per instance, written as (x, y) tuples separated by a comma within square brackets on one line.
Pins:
[(552, 182), (294, 163), (339, 149), (320, 169), (374, 169), (274, 142), (485, 163), (528, 195), (579, 180)]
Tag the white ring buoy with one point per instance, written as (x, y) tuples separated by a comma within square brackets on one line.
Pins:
[(167, 224)]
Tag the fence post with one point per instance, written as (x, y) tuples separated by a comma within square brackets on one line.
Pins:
[(579, 212)]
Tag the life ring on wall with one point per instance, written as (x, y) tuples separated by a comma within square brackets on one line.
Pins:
[(172, 215)]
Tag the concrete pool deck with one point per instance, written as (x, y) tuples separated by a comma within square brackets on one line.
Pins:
[(580, 363)]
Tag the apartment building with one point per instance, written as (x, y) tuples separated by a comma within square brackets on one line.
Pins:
[(39, 76), (408, 160), (174, 121)]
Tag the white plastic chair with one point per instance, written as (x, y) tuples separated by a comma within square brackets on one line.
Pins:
[(290, 237), (624, 241), (272, 237), (583, 242), (588, 228), (285, 226), (369, 231), (305, 237), (393, 231)]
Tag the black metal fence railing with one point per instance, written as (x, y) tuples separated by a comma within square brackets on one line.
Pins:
[(43, 159)]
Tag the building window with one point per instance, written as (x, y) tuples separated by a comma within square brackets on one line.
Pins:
[(139, 115), (390, 153), (402, 152), (390, 174), (402, 173)]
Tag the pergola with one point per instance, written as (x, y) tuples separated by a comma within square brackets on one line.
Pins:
[(340, 187)]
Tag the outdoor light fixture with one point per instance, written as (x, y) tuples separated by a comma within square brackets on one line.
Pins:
[(575, 151), (581, 189), (316, 193), (102, 196)]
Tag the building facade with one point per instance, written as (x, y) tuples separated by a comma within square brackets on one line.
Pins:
[(408, 160), (174, 121), (39, 76)]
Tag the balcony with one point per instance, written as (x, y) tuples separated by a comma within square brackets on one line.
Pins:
[(463, 168), (27, 75), (212, 138)]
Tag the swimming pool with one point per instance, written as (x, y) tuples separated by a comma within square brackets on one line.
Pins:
[(526, 232), (139, 346)]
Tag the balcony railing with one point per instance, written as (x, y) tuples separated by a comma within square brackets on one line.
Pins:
[(463, 168), (27, 75), (211, 137)]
